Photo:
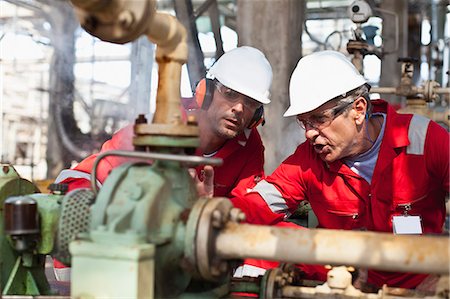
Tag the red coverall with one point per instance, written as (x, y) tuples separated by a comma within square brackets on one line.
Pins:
[(412, 172)]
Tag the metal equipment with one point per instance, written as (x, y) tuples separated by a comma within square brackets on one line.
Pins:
[(147, 234), (22, 248), (359, 12), (419, 99), (155, 234), (286, 282)]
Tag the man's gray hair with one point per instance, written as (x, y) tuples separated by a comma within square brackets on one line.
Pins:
[(351, 96)]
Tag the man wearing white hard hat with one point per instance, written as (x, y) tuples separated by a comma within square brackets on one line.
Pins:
[(228, 106), (363, 165)]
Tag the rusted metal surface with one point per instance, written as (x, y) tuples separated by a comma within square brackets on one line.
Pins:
[(168, 96), (163, 129), (166, 141), (117, 21), (413, 91), (215, 213), (120, 21), (382, 251)]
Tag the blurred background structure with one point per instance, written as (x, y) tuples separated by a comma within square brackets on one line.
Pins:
[(64, 92)]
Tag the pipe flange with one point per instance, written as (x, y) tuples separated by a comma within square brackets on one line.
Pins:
[(271, 284), (207, 218), (429, 90)]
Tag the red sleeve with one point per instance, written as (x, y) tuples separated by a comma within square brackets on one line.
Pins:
[(121, 140), (76, 183), (285, 189), (253, 170), (256, 210)]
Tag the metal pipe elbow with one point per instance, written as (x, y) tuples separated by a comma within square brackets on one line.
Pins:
[(170, 36)]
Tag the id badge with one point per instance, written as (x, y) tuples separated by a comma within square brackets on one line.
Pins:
[(407, 225)]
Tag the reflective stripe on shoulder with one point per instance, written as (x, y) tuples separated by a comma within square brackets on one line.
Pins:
[(62, 274), (417, 133), (248, 270), (271, 196), (76, 174)]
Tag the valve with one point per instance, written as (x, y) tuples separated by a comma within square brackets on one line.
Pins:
[(22, 222)]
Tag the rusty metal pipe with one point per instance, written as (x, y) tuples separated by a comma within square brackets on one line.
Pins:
[(381, 251), (91, 5), (170, 36), (125, 20), (442, 90), (171, 53), (393, 90), (390, 90), (168, 96)]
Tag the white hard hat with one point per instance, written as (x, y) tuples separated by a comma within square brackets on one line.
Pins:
[(246, 70), (320, 77)]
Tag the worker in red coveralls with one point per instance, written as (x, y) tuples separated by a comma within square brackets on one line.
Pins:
[(228, 106), (363, 166)]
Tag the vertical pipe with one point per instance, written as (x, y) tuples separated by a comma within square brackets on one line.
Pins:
[(171, 54), (168, 96)]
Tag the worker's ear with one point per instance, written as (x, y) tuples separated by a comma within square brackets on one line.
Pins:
[(257, 119), (360, 106), (204, 93)]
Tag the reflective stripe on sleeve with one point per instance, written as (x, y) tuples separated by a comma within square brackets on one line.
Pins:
[(271, 196), (248, 270), (75, 174), (417, 133)]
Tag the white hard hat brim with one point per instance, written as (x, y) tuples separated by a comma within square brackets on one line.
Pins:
[(245, 70), (319, 78), (290, 112), (242, 89)]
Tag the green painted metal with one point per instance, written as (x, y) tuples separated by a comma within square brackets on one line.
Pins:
[(24, 273), (104, 271), (249, 287), (27, 277), (49, 208), (166, 141), (141, 204)]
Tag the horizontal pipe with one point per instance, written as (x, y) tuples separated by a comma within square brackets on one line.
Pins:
[(393, 90), (381, 251), (442, 90)]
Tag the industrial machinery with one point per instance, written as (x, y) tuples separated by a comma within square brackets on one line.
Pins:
[(419, 98), (428, 99), (147, 234)]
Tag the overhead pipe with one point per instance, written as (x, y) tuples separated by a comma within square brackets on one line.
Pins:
[(121, 21)]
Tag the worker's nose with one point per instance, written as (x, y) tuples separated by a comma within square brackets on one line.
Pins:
[(238, 107), (311, 133)]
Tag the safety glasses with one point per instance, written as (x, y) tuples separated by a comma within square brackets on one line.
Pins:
[(322, 120), (234, 96)]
